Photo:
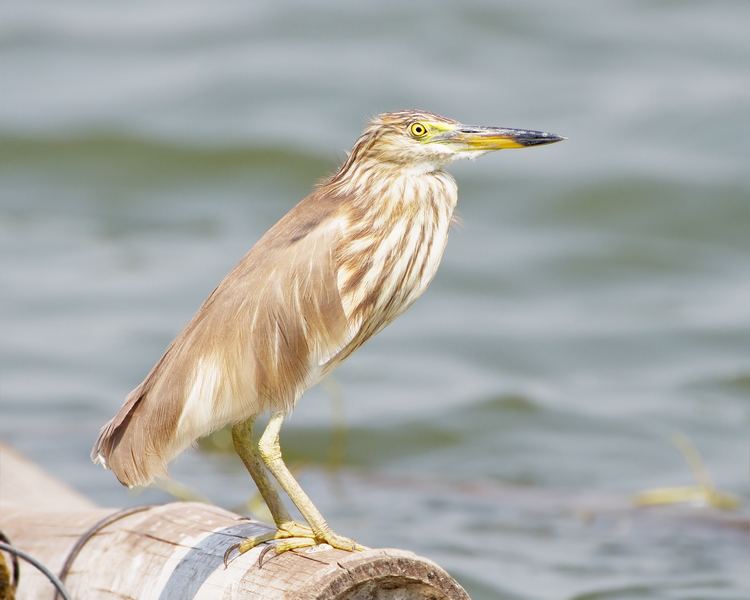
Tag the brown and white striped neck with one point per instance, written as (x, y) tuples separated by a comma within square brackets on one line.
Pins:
[(396, 227)]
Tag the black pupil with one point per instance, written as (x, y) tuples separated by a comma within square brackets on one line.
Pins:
[(418, 129)]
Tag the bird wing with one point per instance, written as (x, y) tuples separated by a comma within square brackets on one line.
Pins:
[(296, 321), (259, 340)]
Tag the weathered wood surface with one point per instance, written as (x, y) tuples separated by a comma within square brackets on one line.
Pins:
[(175, 551)]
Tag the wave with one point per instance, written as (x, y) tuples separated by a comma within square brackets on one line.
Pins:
[(131, 149)]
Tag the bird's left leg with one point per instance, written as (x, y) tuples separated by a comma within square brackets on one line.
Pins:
[(286, 527), (270, 452)]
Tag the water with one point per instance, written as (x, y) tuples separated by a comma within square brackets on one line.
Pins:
[(595, 300)]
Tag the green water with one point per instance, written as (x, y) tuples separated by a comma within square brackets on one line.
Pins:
[(595, 300)]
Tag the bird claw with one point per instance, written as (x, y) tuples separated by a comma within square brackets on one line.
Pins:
[(291, 536), (228, 553), (263, 553), (285, 531), (252, 542)]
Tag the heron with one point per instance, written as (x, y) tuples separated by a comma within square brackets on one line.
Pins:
[(335, 270)]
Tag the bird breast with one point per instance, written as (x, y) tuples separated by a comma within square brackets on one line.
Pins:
[(393, 247)]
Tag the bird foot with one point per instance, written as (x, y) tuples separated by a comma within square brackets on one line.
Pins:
[(332, 539), (291, 536), (295, 529)]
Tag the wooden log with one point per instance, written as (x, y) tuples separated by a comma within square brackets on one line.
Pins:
[(175, 551)]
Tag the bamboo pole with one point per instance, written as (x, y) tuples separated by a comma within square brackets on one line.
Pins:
[(175, 551)]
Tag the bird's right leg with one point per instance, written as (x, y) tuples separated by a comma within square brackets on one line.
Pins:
[(270, 452), (268, 455), (286, 527)]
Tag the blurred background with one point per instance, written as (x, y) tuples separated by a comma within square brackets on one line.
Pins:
[(595, 300)]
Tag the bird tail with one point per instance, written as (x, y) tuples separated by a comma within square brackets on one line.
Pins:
[(125, 447)]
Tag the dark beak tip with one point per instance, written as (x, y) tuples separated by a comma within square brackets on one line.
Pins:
[(553, 137), (540, 140)]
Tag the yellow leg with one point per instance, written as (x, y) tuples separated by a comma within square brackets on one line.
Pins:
[(270, 453), (242, 438)]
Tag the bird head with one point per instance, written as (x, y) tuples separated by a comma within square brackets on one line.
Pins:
[(425, 141)]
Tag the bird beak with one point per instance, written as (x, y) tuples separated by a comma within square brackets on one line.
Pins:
[(498, 138)]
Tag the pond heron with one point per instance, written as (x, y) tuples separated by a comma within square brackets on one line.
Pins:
[(335, 270)]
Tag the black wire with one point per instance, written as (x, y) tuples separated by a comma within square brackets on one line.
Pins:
[(31, 560), (91, 532)]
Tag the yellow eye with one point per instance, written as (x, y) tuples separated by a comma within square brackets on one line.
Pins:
[(418, 130)]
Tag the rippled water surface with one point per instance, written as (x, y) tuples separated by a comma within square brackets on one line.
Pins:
[(595, 300)]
